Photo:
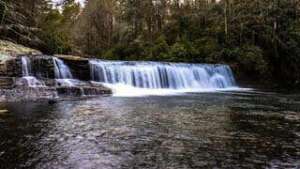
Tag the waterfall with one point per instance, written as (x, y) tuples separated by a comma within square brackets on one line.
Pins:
[(28, 80), (62, 71), (26, 66), (171, 76)]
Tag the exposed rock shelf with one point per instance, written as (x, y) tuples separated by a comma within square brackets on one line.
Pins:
[(17, 86)]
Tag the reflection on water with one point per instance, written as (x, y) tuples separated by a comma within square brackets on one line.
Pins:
[(221, 130)]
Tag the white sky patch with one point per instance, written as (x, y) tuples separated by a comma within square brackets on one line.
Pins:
[(58, 1)]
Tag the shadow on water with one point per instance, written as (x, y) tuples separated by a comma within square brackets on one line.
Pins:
[(209, 130)]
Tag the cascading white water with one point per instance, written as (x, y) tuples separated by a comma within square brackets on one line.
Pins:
[(28, 80), (26, 66), (162, 76), (63, 73)]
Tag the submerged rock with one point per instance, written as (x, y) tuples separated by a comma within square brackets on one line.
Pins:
[(52, 101)]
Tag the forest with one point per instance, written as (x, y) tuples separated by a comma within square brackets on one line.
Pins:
[(259, 39)]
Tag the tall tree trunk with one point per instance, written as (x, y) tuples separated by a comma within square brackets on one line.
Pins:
[(226, 19)]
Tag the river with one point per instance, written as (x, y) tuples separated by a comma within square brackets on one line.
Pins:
[(187, 131)]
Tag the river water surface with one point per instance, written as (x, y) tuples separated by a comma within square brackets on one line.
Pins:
[(209, 130)]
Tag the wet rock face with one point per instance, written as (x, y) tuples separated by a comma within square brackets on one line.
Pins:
[(82, 88), (80, 68), (43, 67), (69, 91), (12, 68), (40, 82), (93, 91), (7, 82), (82, 91)]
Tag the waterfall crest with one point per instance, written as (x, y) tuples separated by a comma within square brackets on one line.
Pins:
[(154, 75), (162, 75)]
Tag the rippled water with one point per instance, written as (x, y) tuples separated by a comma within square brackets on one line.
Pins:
[(209, 130)]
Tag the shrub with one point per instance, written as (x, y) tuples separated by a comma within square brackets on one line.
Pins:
[(160, 49), (206, 50), (252, 61), (182, 51)]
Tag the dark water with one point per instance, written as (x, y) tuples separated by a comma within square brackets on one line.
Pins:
[(220, 130)]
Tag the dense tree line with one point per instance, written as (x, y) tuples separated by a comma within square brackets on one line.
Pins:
[(36, 23), (260, 39)]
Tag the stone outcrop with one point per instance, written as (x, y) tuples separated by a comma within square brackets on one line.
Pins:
[(7, 82), (9, 49), (79, 66), (11, 68), (43, 68)]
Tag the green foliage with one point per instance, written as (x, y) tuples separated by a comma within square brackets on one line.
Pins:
[(207, 50), (56, 27), (3, 11), (182, 51), (160, 49), (251, 60)]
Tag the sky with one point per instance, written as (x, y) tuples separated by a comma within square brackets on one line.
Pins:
[(57, 1)]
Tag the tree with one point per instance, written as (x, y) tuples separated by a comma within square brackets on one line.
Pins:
[(95, 26)]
